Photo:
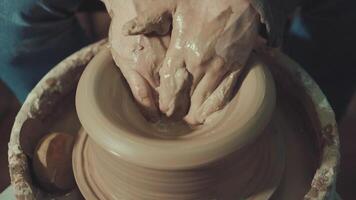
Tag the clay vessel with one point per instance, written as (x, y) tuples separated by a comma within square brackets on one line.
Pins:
[(235, 154)]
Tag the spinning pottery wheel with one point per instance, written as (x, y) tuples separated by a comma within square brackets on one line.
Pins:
[(301, 132)]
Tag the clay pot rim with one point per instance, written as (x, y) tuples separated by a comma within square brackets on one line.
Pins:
[(176, 154)]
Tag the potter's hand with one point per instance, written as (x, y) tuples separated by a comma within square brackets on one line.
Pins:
[(138, 57), (210, 42)]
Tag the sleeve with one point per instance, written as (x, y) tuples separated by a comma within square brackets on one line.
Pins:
[(35, 35), (274, 15)]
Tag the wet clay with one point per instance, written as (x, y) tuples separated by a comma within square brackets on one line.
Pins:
[(190, 70), (254, 175), (189, 74), (122, 155)]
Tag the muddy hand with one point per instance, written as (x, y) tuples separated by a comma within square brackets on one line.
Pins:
[(216, 56), (139, 57), (174, 78), (210, 43)]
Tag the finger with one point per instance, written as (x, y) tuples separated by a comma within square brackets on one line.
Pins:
[(182, 102), (174, 78), (142, 93), (149, 58), (219, 98), (149, 21), (203, 47), (206, 39), (216, 71)]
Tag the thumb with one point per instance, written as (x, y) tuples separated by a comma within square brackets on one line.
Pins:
[(156, 20)]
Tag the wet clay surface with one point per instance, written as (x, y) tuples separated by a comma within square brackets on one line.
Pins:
[(104, 103), (253, 172), (125, 156), (297, 172)]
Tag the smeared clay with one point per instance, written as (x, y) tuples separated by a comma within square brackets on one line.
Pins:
[(208, 46)]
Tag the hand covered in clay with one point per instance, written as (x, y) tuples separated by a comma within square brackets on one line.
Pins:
[(138, 57), (210, 43)]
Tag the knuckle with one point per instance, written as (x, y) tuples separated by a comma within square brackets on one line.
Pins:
[(218, 65)]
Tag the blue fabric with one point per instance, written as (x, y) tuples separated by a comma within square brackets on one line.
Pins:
[(322, 38), (34, 36)]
